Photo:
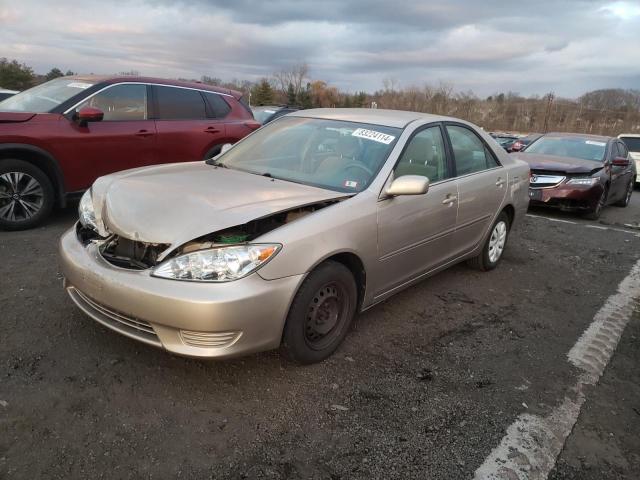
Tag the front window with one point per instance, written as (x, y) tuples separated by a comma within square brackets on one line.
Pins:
[(126, 101), (575, 147), (333, 154), (632, 143), (45, 97)]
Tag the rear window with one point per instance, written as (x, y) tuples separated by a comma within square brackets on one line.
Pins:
[(632, 143), (180, 104), (219, 107)]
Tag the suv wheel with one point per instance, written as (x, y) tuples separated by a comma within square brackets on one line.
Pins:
[(320, 314), (26, 195)]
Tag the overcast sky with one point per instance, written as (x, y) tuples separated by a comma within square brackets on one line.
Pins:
[(530, 47)]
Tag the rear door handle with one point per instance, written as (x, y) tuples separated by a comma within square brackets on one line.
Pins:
[(499, 182), (211, 130), (144, 133), (449, 199)]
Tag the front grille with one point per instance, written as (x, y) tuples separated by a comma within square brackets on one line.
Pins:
[(544, 179), (209, 339), (132, 327)]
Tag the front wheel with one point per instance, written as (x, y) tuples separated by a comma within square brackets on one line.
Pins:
[(491, 253), (594, 214), (320, 314), (26, 195)]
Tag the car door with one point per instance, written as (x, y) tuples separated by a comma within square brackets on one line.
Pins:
[(482, 185), (187, 127), (414, 232), (125, 138)]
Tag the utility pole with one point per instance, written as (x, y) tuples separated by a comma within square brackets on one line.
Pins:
[(547, 114)]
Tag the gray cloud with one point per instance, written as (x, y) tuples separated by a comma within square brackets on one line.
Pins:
[(530, 47)]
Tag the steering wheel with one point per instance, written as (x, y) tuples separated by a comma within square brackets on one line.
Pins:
[(358, 165)]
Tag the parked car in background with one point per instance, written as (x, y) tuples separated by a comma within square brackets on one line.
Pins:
[(632, 141), (7, 93), (577, 172), (58, 137), (505, 140), (524, 142), (285, 236), (266, 114)]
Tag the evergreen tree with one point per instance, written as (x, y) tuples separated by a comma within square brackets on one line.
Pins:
[(54, 73), (262, 93), (291, 95)]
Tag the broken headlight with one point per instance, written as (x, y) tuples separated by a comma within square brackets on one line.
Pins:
[(221, 264), (86, 212)]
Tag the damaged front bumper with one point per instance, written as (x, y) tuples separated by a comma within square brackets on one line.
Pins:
[(566, 197), (194, 319)]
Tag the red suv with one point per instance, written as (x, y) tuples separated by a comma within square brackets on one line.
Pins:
[(58, 137)]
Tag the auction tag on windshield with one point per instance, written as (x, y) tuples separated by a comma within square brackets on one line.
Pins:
[(591, 142), (350, 184), (81, 85), (373, 135)]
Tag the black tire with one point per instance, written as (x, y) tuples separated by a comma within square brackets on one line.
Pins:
[(627, 196), (320, 314), (486, 260), (213, 152), (597, 210), (26, 195)]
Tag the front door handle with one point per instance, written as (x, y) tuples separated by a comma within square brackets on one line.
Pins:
[(143, 133), (211, 130), (449, 199), (499, 182)]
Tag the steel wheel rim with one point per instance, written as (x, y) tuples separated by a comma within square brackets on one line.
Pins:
[(21, 196), (497, 241), (325, 317)]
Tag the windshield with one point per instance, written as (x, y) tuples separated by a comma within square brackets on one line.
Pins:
[(45, 97), (262, 114), (332, 154), (575, 147), (632, 143)]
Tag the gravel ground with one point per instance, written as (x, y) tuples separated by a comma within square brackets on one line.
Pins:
[(424, 386)]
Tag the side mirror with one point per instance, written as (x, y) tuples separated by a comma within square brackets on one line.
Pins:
[(408, 185), (88, 114), (226, 147), (620, 162)]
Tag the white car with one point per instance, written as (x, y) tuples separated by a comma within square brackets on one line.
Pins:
[(632, 141)]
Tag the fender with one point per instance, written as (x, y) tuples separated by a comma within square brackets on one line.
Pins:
[(50, 164)]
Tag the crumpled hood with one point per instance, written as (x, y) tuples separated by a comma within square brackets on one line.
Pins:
[(176, 203), (15, 117), (538, 161)]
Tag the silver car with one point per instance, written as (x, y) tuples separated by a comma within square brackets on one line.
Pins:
[(284, 237)]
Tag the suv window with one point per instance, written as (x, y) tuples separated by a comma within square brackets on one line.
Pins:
[(122, 102), (219, 106), (469, 152), (424, 156), (180, 104)]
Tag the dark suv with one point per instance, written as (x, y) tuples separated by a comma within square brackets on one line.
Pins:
[(58, 137)]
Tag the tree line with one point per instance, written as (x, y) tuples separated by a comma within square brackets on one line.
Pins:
[(605, 111)]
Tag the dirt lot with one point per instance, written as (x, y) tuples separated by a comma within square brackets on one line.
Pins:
[(424, 386)]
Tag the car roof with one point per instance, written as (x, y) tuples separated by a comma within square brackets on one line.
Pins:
[(629, 135), (4, 90), (602, 138), (389, 118), (155, 80)]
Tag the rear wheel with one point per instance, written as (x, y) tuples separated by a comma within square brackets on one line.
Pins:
[(320, 314), (26, 195), (492, 250), (627, 196)]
